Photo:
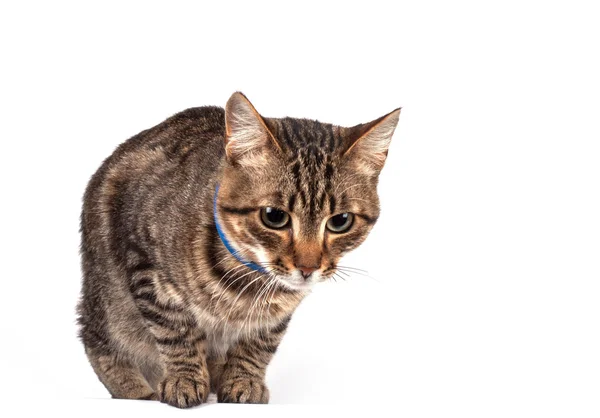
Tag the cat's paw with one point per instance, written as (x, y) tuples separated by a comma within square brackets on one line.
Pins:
[(243, 390), (183, 391)]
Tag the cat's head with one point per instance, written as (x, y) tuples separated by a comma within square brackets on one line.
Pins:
[(297, 194)]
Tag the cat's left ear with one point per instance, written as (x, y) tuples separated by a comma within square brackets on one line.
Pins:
[(247, 137), (368, 143)]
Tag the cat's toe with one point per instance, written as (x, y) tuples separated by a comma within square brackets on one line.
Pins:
[(243, 390), (183, 391)]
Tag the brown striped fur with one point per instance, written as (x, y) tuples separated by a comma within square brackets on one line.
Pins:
[(166, 311)]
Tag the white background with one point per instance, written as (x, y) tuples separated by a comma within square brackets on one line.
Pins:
[(484, 295)]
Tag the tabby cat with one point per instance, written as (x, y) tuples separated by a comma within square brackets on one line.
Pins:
[(202, 235)]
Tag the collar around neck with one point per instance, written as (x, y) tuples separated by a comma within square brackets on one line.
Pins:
[(251, 265)]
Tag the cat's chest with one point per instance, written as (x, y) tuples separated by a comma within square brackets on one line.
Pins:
[(221, 337), (222, 334), (219, 342), (246, 319)]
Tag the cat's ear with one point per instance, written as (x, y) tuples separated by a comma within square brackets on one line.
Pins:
[(368, 143), (247, 137)]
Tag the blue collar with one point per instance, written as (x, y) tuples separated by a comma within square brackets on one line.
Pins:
[(226, 242)]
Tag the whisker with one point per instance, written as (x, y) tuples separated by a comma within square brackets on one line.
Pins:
[(237, 279), (337, 275), (252, 307), (354, 272), (222, 279), (238, 297), (350, 272), (342, 272), (351, 268), (267, 300)]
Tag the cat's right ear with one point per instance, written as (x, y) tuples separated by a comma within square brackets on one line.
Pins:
[(247, 137)]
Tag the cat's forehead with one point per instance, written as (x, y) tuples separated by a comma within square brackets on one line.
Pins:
[(313, 180), (295, 135), (313, 166)]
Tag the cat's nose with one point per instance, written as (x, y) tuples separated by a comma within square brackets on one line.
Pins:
[(306, 271)]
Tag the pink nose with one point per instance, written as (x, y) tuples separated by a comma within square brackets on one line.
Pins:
[(306, 271)]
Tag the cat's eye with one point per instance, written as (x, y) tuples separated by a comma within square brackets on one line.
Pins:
[(274, 218), (340, 223)]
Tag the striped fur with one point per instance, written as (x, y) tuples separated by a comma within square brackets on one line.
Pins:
[(166, 311)]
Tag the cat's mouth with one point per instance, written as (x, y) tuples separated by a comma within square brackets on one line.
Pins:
[(291, 277), (292, 285), (295, 281)]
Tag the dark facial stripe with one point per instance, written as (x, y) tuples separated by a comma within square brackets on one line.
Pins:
[(332, 204), (291, 202), (237, 211), (328, 171), (302, 196), (296, 174), (369, 220)]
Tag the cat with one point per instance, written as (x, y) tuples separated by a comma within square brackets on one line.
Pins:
[(200, 237)]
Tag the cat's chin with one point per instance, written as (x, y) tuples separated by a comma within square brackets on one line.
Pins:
[(295, 285)]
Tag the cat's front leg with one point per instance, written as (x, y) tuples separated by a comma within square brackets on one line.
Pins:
[(181, 345), (243, 376), (186, 382)]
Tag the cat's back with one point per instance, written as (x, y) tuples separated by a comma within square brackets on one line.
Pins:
[(161, 164), (198, 129), (195, 133)]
